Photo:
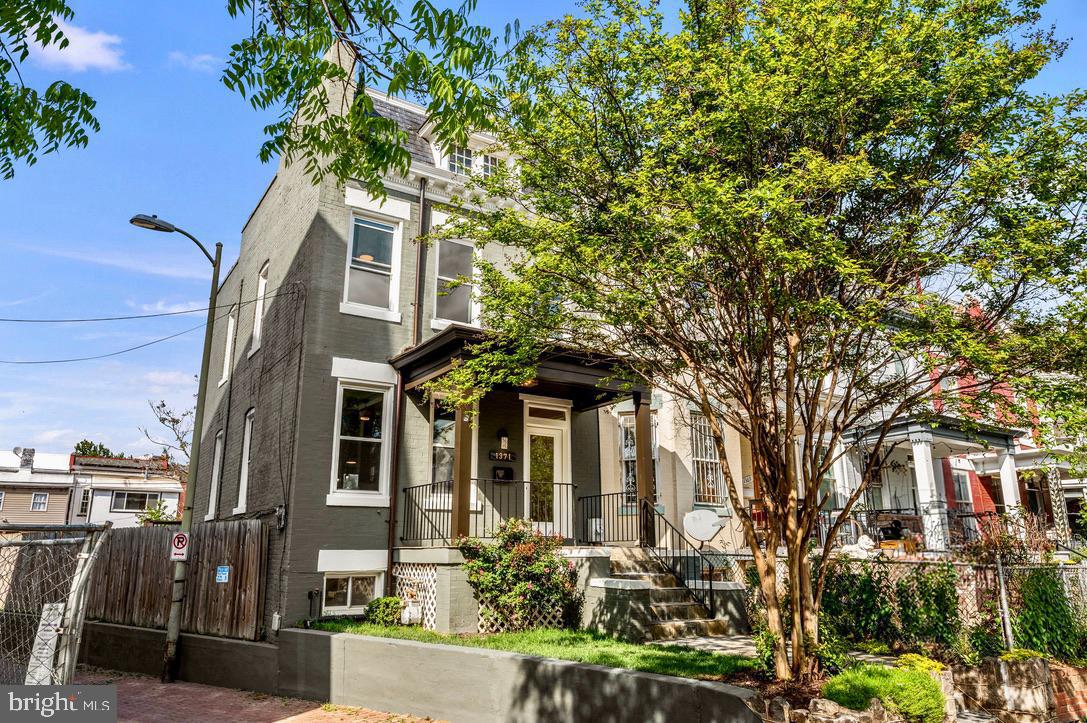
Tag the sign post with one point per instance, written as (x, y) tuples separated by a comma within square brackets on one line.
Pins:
[(179, 547)]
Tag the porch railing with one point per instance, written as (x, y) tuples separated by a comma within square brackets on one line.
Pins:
[(607, 519), (691, 568), (428, 509)]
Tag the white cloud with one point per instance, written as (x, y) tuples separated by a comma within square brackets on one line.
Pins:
[(27, 299), (86, 50), (134, 262), (164, 378), (50, 436), (200, 62), (165, 307)]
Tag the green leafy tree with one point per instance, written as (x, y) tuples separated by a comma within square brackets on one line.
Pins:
[(802, 217), (35, 122), (307, 59), (87, 448)]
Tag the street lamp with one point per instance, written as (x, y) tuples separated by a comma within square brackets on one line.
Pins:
[(181, 567)]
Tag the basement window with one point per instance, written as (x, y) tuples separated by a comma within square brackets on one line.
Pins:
[(349, 593)]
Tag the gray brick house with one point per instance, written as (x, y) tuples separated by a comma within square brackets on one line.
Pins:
[(332, 317)]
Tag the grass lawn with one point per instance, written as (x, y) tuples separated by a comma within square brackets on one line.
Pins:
[(580, 645)]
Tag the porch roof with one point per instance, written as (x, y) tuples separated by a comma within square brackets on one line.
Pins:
[(587, 380), (957, 435)]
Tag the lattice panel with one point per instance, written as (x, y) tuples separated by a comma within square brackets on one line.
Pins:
[(493, 622), (419, 581)]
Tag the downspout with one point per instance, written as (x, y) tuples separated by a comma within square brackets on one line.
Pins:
[(416, 314)]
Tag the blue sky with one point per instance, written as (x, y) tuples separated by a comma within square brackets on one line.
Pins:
[(174, 142)]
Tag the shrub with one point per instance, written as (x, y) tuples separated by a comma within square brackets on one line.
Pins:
[(913, 661), (521, 576), (764, 649), (1017, 654), (383, 611), (928, 606), (873, 647), (831, 650), (1045, 620), (914, 694), (855, 599)]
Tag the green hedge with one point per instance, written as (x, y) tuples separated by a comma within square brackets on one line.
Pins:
[(914, 694)]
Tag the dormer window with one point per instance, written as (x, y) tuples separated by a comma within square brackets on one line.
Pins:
[(460, 160), (490, 165)]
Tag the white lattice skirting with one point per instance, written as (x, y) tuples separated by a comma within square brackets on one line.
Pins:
[(418, 581), (493, 622)]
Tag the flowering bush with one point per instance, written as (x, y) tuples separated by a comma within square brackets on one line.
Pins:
[(521, 576)]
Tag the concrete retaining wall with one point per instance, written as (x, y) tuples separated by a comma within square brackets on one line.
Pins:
[(441, 681)]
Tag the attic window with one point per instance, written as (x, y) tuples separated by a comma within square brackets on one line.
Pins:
[(460, 160), (490, 165)]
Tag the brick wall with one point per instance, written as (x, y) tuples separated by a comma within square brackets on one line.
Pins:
[(1070, 690)]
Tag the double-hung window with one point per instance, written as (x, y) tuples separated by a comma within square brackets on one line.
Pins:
[(85, 502), (359, 458), (228, 349), (628, 457), (453, 300), (372, 267), (349, 593), (39, 502), (243, 475), (258, 308), (490, 165), (709, 481), (460, 160), (133, 501), (443, 429), (216, 474)]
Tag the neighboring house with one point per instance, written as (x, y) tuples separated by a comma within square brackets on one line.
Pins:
[(117, 490), (35, 488)]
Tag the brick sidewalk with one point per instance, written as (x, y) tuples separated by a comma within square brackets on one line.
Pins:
[(145, 699)]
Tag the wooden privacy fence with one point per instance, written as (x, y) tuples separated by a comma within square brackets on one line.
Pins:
[(133, 579)]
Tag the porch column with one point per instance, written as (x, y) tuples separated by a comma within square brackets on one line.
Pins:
[(462, 474), (1059, 506), (1009, 482), (643, 461), (930, 492)]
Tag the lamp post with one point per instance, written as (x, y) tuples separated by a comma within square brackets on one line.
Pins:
[(181, 567)]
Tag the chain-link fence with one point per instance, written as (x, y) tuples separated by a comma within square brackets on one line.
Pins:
[(44, 573), (960, 607)]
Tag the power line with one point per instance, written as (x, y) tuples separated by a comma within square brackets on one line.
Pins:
[(126, 318), (101, 356)]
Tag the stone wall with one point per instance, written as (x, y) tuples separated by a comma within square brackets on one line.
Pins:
[(1013, 691)]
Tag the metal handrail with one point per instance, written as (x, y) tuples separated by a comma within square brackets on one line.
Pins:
[(677, 554), (607, 518)]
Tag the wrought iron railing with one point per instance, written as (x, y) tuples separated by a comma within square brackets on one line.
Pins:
[(428, 509), (607, 519), (681, 557)]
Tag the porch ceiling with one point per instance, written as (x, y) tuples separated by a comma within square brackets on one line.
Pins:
[(562, 372), (948, 434)]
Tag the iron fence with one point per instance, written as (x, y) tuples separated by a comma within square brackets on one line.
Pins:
[(44, 576), (428, 509), (607, 519)]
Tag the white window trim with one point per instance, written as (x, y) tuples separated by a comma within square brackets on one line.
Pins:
[(228, 352), (34, 497), (243, 475), (654, 449), (258, 309), (113, 499), (722, 482), (438, 323), (85, 496), (216, 473), (391, 313), (1, 499), (362, 498), (379, 588), (445, 501)]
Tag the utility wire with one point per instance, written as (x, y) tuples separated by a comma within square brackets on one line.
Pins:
[(101, 356), (125, 318), (131, 348)]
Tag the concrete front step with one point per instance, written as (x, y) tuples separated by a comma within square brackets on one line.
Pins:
[(635, 565), (688, 628), (659, 595), (672, 611), (656, 579)]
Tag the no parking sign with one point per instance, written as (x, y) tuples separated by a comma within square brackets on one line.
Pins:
[(179, 547)]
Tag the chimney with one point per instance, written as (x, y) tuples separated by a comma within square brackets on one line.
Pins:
[(26, 457)]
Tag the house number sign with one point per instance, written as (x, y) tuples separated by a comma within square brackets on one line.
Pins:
[(502, 455)]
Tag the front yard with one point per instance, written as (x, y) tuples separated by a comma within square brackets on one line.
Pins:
[(577, 645)]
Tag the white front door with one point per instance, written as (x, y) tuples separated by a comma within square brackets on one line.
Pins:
[(546, 468)]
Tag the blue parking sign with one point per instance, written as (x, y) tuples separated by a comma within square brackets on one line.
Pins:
[(222, 573)]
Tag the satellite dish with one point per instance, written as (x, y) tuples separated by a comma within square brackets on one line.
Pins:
[(18, 451), (702, 525)]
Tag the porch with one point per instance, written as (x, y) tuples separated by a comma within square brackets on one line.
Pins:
[(527, 452)]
